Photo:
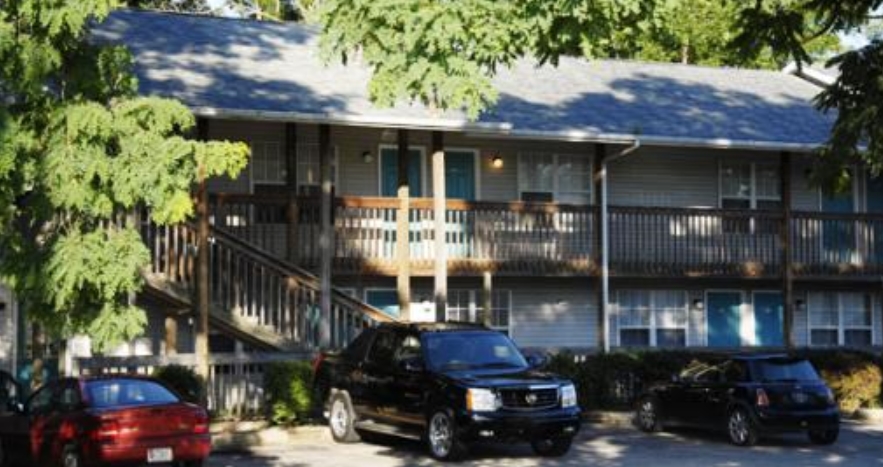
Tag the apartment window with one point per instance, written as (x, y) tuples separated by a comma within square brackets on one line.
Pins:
[(748, 185), (840, 319), (465, 305), (267, 163), (652, 318), (309, 172), (547, 177)]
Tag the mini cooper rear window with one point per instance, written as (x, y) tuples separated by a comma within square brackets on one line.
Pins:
[(784, 370)]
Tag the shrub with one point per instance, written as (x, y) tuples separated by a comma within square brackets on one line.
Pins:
[(289, 393), (854, 376), (182, 380)]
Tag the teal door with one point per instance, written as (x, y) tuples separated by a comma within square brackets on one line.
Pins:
[(724, 319), (838, 236), (460, 175), (386, 301), (768, 319), (389, 172)]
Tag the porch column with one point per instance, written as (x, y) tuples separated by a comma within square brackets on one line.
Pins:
[(598, 242), (326, 235), (403, 246), (785, 241), (202, 264), (171, 335), (291, 185), (487, 298), (439, 202)]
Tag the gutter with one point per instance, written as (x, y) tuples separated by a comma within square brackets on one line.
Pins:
[(501, 130), (605, 241)]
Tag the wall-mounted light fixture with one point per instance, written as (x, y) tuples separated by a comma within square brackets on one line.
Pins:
[(799, 304), (497, 161), (698, 304), (367, 157)]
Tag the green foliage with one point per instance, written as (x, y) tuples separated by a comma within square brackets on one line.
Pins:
[(289, 392), (182, 380), (854, 376), (79, 153)]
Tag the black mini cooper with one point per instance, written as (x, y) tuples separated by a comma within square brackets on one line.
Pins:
[(747, 396)]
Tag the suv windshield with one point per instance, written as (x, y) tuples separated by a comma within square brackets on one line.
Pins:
[(785, 370), (471, 350)]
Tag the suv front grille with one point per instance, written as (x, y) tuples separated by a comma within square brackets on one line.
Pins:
[(529, 398)]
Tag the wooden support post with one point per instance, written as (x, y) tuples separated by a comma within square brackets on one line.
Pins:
[(487, 298), (202, 261), (403, 246), (291, 239), (171, 335), (326, 236), (785, 241), (439, 203), (598, 242)]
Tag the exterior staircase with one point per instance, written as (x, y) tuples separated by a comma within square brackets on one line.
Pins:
[(254, 296)]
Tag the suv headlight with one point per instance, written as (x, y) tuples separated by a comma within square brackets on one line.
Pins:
[(482, 400), (568, 396)]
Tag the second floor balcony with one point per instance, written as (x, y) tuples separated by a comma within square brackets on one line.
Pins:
[(548, 239)]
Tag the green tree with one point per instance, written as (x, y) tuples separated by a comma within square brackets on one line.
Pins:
[(79, 151)]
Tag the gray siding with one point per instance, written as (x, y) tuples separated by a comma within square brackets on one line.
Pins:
[(553, 314), (804, 197), (664, 177), (248, 132), (7, 329), (800, 327)]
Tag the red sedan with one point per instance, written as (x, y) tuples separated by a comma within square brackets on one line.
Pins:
[(104, 420)]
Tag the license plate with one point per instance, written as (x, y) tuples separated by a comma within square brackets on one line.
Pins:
[(155, 455)]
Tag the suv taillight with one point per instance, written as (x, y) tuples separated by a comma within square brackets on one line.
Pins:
[(317, 362), (762, 399)]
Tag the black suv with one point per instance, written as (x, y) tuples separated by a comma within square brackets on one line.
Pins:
[(447, 384), (747, 396)]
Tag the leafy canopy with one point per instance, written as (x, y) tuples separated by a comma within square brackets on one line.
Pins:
[(443, 53), (79, 151)]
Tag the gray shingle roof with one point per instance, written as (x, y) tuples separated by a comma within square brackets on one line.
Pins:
[(238, 67)]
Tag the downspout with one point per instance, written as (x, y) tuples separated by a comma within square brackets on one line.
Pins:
[(605, 242)]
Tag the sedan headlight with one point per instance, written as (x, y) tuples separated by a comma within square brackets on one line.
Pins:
[(568, 396), (482, 400)]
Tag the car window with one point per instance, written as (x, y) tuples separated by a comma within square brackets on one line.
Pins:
[(357, 349), (383, 349), (128, 392), (710, 374), (784, 369), (41, 402), (457, 351), (9, 391), (735, 372), (69, 397), (410, 348)]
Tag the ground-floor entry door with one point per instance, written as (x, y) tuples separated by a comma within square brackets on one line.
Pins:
[(768, 319), (724, 319)]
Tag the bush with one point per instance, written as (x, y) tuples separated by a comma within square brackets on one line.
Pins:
[(854, 376), (182, 380), (289, 393)]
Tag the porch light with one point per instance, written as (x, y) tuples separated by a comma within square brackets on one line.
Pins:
[(798, 304), (497, 161), (367, 157), (697, 304)]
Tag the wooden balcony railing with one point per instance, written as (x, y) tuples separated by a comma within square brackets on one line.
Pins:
[(547, 238)]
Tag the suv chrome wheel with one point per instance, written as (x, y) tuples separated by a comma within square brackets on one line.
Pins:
[(648, 415), (441, 436), (342, 419)]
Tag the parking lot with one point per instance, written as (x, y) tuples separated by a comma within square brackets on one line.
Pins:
[(859, 445)]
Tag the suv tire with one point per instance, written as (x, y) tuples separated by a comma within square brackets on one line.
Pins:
[(741, 428), (442, 437), (647, 415), (342, 418)]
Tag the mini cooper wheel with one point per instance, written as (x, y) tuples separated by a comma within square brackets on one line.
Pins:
[(823, 437), (647, 415), (342, 419), (740, 428), (552, 447), (441, 437)]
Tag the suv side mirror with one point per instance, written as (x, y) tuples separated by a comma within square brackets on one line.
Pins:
[(413, 365), (536, 359)]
